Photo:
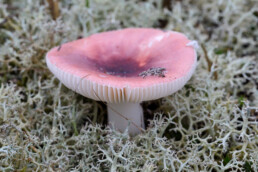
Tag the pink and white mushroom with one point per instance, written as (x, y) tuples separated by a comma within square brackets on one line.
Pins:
[(124, 68)]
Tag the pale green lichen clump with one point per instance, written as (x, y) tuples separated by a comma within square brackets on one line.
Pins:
[(210, 125)]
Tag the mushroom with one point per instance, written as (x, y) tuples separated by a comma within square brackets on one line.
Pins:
[(124, 68)]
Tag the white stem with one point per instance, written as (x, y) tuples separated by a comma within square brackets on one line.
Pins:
[(125, 115)]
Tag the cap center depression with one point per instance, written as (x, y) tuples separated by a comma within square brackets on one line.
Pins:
[(120, 67)]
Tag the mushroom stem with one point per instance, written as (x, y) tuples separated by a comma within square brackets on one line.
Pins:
[(123, 115)]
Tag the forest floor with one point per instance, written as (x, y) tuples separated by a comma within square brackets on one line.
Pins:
[(209, 125)]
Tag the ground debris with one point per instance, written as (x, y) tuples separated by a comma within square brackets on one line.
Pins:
[(153, 71)]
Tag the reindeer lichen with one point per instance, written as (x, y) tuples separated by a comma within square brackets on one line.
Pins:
[(209, 125)]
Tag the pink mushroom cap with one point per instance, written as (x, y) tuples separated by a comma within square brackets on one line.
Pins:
[(106, 66)]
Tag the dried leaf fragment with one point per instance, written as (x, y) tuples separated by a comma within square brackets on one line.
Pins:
[(54, 8)]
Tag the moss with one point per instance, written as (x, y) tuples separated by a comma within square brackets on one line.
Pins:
[(209, 125)]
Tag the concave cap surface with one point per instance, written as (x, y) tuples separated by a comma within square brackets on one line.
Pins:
[(106, 66)]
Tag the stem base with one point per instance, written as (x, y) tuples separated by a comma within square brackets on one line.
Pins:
[(126, 114)]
